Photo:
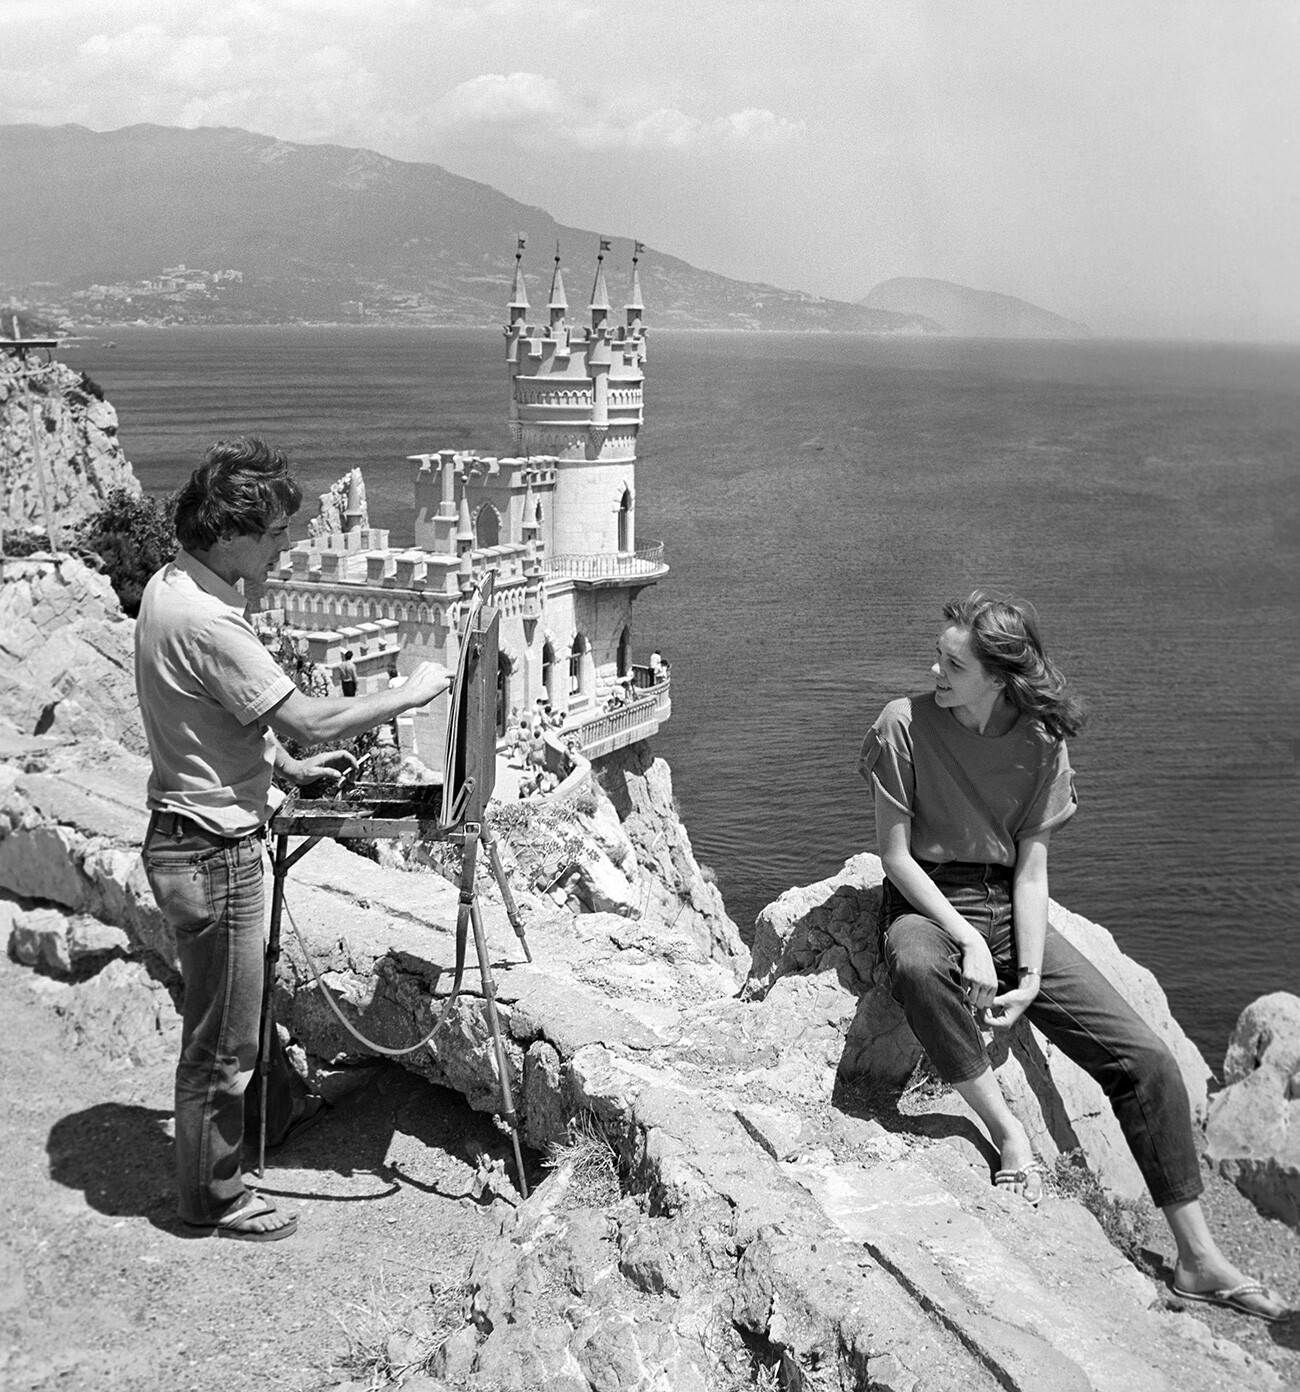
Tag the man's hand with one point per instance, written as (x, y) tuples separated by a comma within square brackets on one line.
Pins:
[(978, 978), (1010, 1006), (332, 765), (429, 679)]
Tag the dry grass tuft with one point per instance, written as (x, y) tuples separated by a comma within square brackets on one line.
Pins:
[(592, 1162), (389, 1337)]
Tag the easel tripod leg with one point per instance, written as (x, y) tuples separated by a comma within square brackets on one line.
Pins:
[(494, 1024), (270, 967)]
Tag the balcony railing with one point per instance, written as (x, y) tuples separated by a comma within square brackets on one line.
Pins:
[(602, 734), (608, 565)]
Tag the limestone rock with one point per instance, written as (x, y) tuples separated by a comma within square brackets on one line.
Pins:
[(124, 1014), (673, 886), (634, 1027), (830, 929), (70, 836), (77, 430), (1253, 1134), (66, 654), (49, 938), (794, 933), (601, 887)]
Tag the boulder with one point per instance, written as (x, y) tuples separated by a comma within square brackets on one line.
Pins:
[(66, 654), (830, 930), (59, 942), (124, 1014), (1253, 1133)]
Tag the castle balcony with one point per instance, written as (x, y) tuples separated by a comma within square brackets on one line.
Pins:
[(606, 569), (601, 734)]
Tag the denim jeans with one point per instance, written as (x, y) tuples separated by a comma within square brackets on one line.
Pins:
[(1076, 1008), (209, 890)]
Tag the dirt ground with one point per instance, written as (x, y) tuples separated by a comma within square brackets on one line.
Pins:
[(99, 1289)]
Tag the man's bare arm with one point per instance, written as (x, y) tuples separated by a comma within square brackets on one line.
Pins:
[(315, 720)]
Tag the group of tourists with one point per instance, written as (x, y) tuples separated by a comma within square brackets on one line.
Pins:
[(970, 780)]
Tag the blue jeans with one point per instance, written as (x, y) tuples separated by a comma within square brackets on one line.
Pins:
[(1076, 1008), (209, 890)]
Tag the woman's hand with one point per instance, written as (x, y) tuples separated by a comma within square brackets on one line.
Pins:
[(979, 980), (1011, 1005)]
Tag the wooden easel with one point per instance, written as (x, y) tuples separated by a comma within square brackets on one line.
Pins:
[(469, 775)]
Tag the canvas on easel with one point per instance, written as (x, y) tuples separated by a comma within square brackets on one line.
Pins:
[(469, 753)]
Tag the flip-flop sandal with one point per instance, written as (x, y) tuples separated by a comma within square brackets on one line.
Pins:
[(1234, 1298), (1027, 1181), (233, 1224)]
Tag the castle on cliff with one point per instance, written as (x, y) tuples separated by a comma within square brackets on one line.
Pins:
[(555, 523)]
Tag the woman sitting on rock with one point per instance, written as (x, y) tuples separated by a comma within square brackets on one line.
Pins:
[(970, 781)]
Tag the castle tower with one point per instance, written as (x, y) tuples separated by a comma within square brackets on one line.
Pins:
[(576, 396)]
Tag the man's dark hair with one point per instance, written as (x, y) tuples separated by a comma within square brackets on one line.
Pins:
[(240, 489)]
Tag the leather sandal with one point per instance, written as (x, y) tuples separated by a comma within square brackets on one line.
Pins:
[(1026, 1181)]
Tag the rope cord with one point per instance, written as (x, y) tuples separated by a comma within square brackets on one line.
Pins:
[(347, 1024)]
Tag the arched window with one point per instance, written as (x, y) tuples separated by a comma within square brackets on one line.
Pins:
[(487, 527), (505, 667), (548, 670), (625, 653), (625, 521), (577, 656)]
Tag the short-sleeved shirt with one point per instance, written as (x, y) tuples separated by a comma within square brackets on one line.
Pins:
[(1017, 784), (206, 685)]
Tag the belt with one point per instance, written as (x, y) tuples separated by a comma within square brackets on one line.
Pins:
[(176, 824)]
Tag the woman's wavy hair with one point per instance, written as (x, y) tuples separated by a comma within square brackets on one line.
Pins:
[(1004, 637), (240, 489)]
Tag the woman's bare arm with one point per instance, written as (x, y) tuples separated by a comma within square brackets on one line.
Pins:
[(1029, 909), (894, 846)]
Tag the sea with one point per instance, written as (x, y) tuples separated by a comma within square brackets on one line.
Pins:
[(819, 497)]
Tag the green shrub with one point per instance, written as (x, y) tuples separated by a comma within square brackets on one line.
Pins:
[(133, 537)]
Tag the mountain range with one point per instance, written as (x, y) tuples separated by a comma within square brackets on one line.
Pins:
[(219, 225), (258, 230)]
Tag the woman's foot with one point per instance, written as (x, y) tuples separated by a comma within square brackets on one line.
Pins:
[(1022, 1171), (1026, 1180), (1224, 1285)]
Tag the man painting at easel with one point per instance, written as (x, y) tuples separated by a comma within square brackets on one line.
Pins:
[(211, 696)]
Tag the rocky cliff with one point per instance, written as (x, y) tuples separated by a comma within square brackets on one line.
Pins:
[(46, 406), (767, 1213)]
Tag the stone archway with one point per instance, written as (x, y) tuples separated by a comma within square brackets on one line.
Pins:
[(487, 527)]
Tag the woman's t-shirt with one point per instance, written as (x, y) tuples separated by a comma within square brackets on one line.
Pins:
[(1023, 779)]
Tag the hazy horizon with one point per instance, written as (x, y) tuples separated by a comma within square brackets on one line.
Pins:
[(1132, 168)]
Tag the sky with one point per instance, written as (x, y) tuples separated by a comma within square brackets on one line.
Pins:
[(1133, 164)]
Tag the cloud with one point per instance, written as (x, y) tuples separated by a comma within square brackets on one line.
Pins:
[(533, 110), (193, 62)]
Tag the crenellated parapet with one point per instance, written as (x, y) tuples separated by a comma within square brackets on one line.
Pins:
[(576, 389)]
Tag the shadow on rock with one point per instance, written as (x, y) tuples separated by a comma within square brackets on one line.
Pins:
[(399, 1131)]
